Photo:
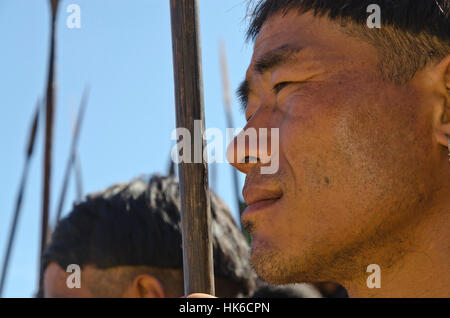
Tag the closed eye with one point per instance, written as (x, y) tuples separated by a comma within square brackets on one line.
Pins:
[(279, 87)]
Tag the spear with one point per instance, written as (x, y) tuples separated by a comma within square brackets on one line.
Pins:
[(77, 167), (195, 205), (49, 117), (73, 152), (78, 177), (171, 167), (214, 176), (229, 118), (23, 183)]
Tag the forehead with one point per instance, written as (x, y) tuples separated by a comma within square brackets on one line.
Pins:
[(321, 39), (279, 29)]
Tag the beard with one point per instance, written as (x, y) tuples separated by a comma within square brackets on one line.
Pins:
[(318, 262)]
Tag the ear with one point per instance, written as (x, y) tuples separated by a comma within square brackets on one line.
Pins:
[(145, 286), (441, 77)]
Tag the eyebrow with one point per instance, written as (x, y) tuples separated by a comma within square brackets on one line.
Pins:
[(286, 53)]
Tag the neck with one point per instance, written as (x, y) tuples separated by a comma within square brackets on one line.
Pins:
[(422, 271)]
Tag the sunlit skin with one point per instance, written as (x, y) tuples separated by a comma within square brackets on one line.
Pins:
[(363, 171), (55, 286), (107, 283)]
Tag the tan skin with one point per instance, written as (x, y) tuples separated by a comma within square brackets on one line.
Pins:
[(143, 286), (363, 171), (363, 174)]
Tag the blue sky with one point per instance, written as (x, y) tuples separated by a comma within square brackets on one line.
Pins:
[(123, 51)]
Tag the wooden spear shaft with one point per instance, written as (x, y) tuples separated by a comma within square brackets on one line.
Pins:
[(78, 177), (18, 207), (73, 152), (49, 117), (194, 192), (229, 118)]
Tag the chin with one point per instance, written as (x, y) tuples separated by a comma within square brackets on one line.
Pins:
[(284, 266), (270, 263)]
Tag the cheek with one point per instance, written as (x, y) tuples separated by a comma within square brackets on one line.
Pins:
[(330, 138), (351, 153), (314, 149), (307, 138)]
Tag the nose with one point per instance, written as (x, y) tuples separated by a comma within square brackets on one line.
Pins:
[(243, 155), (249, 149)]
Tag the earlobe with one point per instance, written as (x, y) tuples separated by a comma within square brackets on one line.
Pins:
[(443, 132), (448, 145), (448, 140)]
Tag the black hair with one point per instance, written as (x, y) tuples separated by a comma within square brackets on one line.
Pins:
[(413, 32), (138, 224)]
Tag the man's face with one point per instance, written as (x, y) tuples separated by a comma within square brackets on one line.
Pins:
[(356, 154)]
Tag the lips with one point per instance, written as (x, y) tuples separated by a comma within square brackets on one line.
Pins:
[(255, 196), (258, 197)]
